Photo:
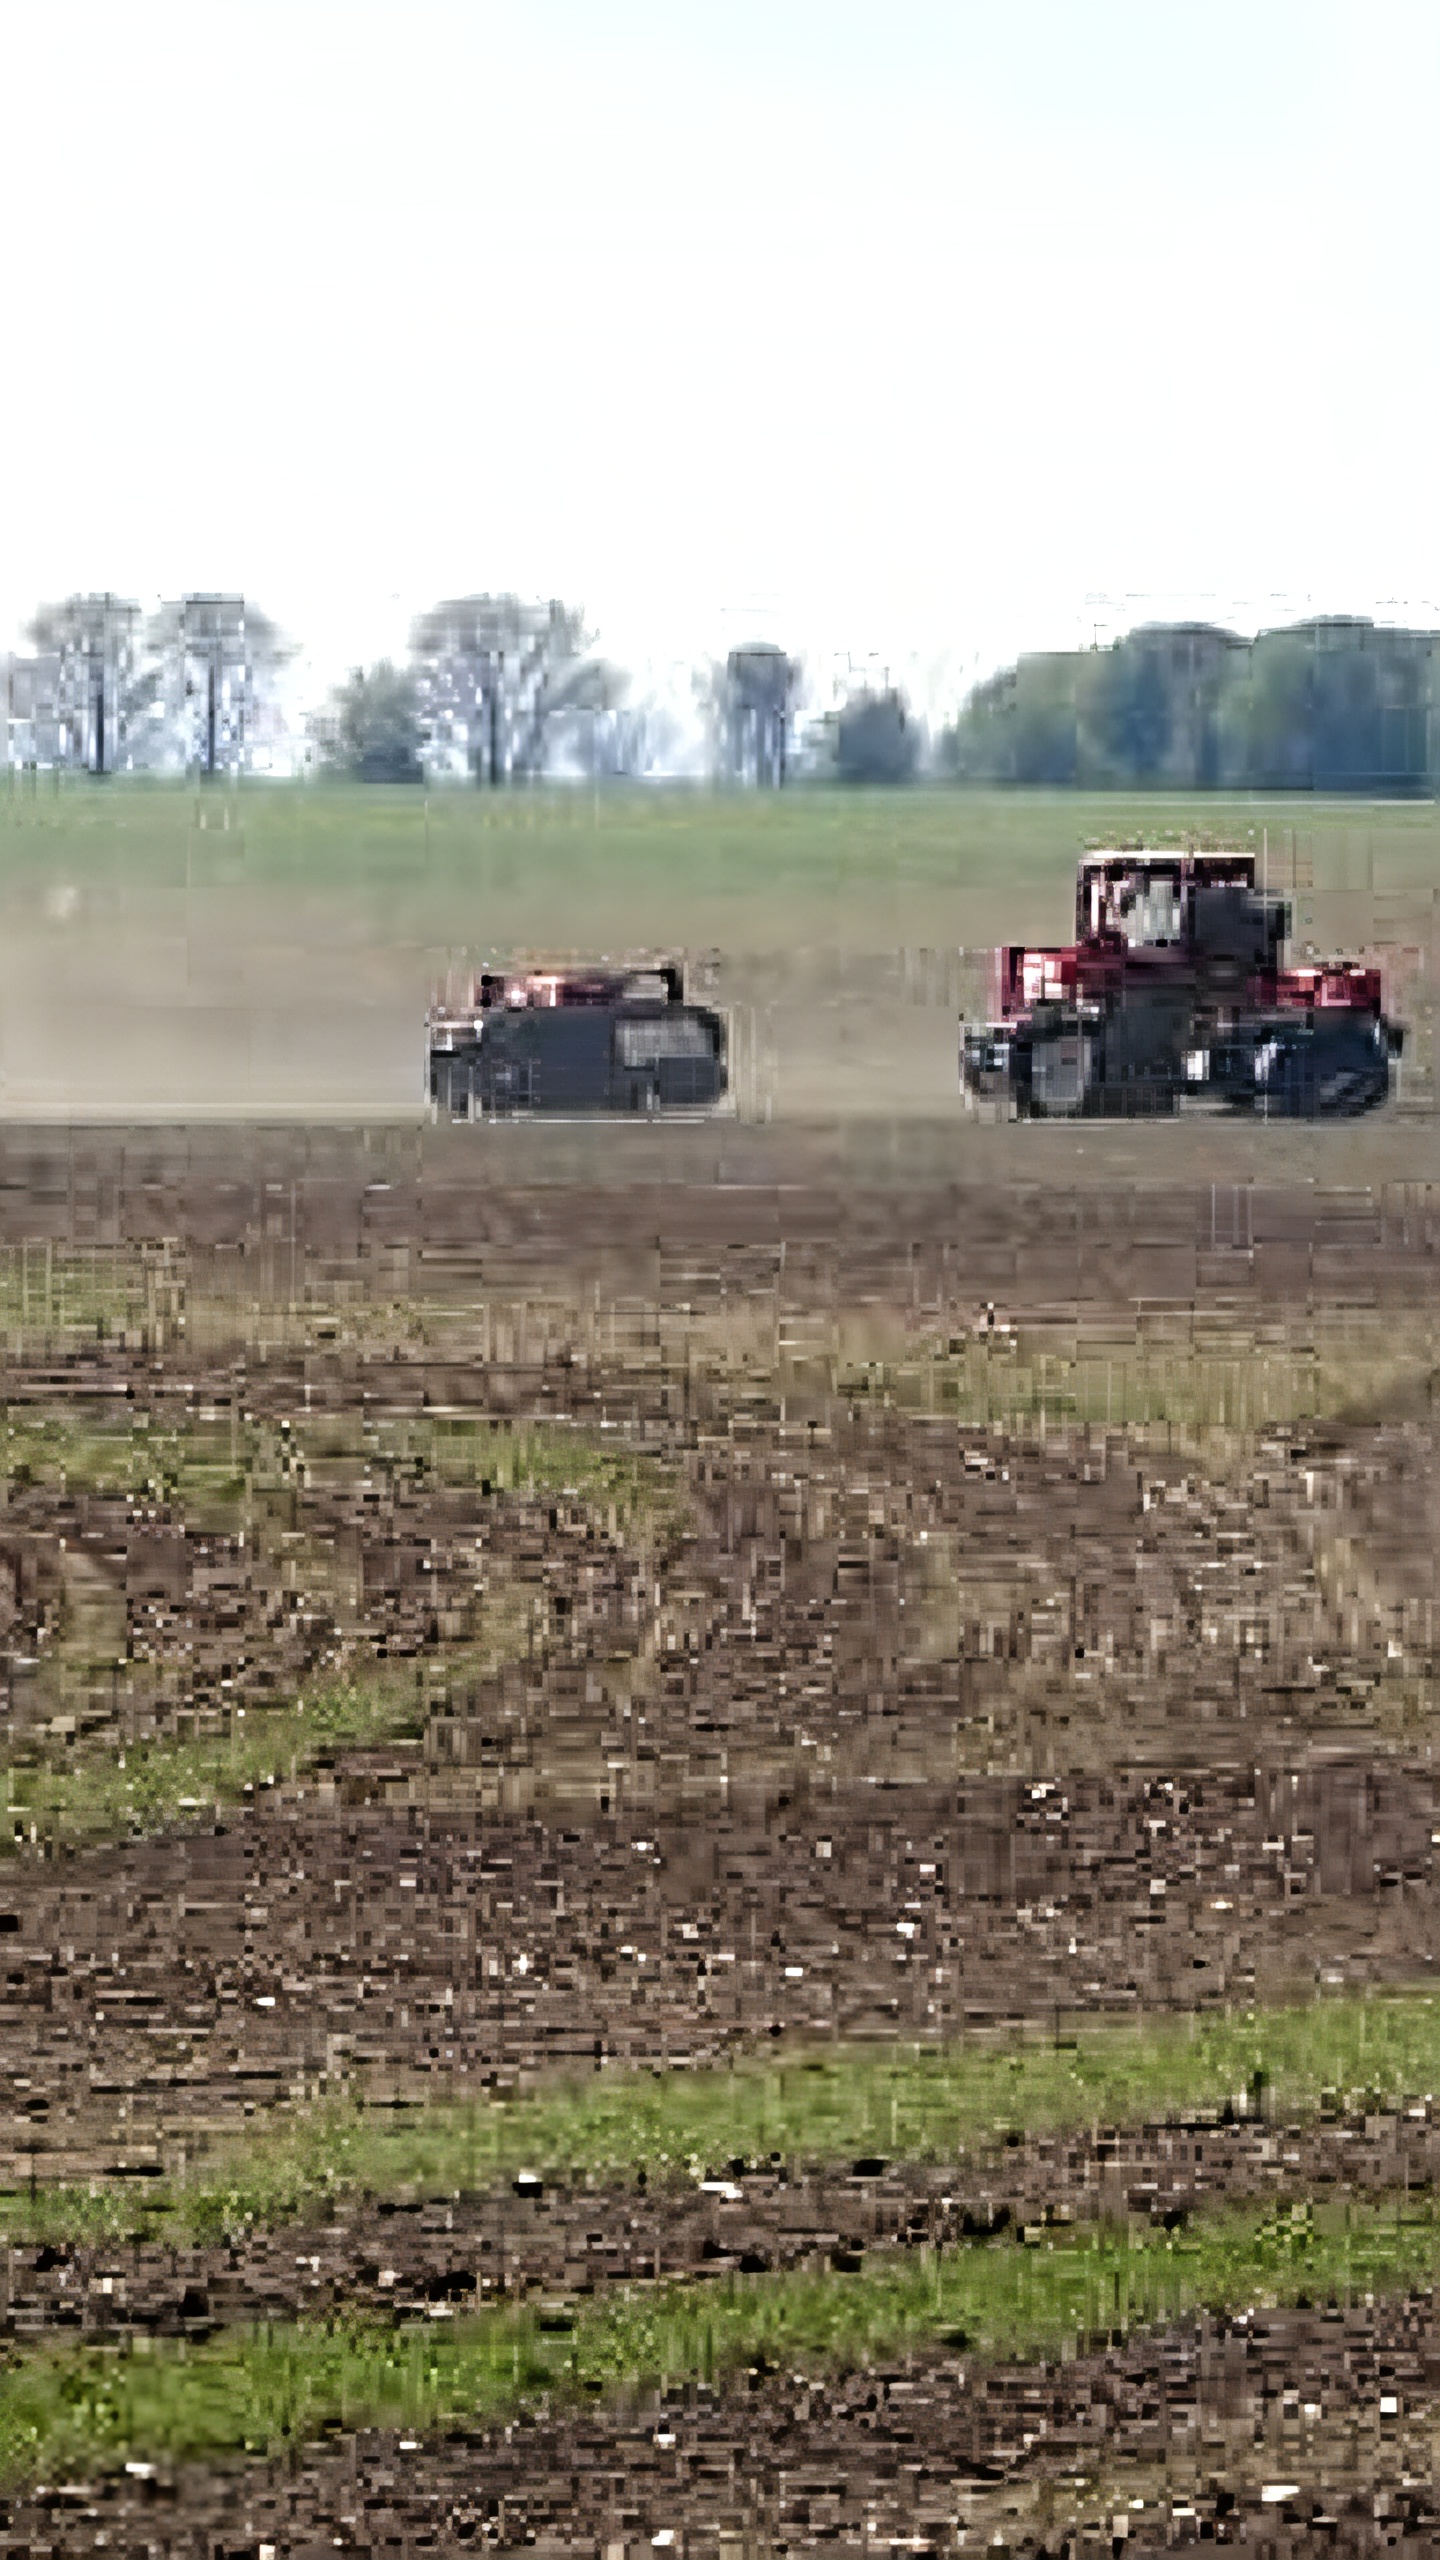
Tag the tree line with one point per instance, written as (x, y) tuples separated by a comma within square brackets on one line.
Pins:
[(495, 689), (492, 687), (499, 690), (1334, 705), (110, 689)]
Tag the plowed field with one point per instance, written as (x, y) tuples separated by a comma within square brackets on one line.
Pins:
[(488, 1633)]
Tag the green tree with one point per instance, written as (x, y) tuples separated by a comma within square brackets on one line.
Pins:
[(371, 731), (1267, 716), (1020, 726), (1124, 713), (1370, 695), (1334, 705), (876, 739)]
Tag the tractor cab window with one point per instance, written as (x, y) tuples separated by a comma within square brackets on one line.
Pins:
[(644, 1042), (1143, 907)]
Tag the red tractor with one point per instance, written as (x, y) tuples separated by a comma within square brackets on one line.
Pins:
[(1176, 987)]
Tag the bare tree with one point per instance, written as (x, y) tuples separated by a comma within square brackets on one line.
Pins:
[(710, 688), (91, 674), (501, 683), (626, 742), (218, 657)]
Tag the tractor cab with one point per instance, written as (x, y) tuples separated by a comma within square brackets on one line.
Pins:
[(1145, 901)]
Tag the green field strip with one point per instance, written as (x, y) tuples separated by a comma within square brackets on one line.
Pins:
[(1325, 1371), (628, 1494), (704, 849), (151, 1786), (1355, 2055), (71, 2411), (203, 1469)]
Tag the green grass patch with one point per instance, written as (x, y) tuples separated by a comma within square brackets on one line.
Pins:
[(68, 2412), (69, 1295), (200, 1471), (627, 1494), (207, 1472), (1335, 2055), (1018, 1382), (150, 1786)]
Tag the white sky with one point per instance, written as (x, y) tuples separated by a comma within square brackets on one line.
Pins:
[(915, 334)]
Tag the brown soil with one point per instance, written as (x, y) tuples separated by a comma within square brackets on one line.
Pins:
[(412, 2257)]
